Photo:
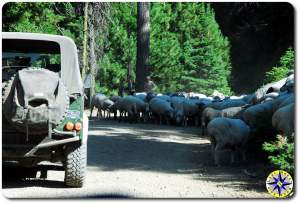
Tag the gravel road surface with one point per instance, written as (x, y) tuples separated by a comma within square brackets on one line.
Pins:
[(147, 161)]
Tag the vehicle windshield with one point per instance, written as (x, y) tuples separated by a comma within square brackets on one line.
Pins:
[(15, 59), (18, 54)]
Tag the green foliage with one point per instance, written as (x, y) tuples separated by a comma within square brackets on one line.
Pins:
[(286, 63), (282, 153), (120, 48), (282, 150), (50, 18), (187, 49)]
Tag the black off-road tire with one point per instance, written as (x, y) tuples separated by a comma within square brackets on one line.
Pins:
[(75, 166)]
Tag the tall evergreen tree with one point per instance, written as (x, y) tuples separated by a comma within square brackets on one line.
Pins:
[(143, 35), (188, 50)]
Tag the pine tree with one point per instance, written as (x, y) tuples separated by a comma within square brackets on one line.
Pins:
[(188, 50)]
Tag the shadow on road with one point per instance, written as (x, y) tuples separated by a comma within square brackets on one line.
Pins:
[(20, 177), (22, 183), (123, 146)]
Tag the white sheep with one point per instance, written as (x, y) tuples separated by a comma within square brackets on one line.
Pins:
[(226, 104), (268, 88), (162, 109), (226, 132), (218, 95), (283, 120), (102, 103), (261, 114), (196, 95), (209, 114), (133, 106)]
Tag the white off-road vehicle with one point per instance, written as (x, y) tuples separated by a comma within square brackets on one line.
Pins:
[(43, 115)]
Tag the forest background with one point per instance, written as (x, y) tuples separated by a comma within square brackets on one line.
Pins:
[(230, 47)]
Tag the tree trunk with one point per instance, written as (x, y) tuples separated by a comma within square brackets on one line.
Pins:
[(85, 37), (92, 52), (143, 39)]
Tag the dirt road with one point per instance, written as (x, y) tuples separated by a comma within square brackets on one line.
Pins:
[(147, 161)]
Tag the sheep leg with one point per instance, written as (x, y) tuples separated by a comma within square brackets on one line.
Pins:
[(168, 121), (185, 121), (203, 130), (203, 126), (100, 111), (138, 117), (244, 156), (120, 116), (91, 111), (216, 155), (196, 121), (144, 117), (213, 146), (243, 149), (232, 159)]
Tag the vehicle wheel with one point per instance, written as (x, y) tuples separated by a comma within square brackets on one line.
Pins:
[(75, 166)]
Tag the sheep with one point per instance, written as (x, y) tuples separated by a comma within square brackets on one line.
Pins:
[(260, 115), (283, 119), (188, 110), (289, 98), (118, 106), (268, 88), (196, 95), (289, 84), (226, 132), (164, 97), (106, 105), (216, 94), (180, 94), (176, 102), (142, 108), (237, 97), (141, 95), (268, 96), (133, 106), (101, 102), (248, 98), (162, 109), (115, 98), (149, 96), (234, 112), (209, 114), (227, 104)]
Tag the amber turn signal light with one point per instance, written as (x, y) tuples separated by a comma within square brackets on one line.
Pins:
[(69, 126), (78, 126)]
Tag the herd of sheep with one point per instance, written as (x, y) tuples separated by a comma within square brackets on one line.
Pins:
[(228, 121)]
